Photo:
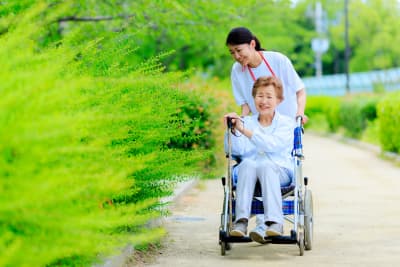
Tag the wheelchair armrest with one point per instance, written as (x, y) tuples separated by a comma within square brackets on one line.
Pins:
[(236, 158), (287, 189)]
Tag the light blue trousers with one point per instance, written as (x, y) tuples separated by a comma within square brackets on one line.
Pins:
[(271, 177)]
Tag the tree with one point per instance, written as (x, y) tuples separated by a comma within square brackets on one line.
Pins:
[(374, 30)]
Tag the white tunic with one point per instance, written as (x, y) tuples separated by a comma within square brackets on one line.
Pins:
[(242, 82)]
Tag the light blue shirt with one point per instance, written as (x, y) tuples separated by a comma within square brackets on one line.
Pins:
[(274, 141)]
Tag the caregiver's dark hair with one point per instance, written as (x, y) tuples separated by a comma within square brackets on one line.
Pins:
[(242, 35)]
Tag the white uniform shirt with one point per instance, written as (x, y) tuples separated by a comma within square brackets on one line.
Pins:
[(274, 141), (242, 82)]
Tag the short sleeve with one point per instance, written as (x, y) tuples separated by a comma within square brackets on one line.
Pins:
[(236, 88)]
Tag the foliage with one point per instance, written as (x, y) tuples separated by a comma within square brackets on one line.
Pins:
[(389, 122), (324, 105), (222, 102), (373, 34), (371, 118), (371, 133), (381, 18), (84, 136), (195, 30), (351, 113), (355, 112), (195, 118), (351, 118)]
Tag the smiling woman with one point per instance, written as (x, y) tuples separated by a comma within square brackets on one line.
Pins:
[(252, 62), (268, 94), (263, 142)]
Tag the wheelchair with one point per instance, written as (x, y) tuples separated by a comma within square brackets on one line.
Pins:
[(297, 202)]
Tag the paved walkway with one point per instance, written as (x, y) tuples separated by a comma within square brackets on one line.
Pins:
[(356, 216)]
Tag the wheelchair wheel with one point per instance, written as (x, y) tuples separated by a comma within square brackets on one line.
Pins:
[(224, 247), (308, 220), (301, 243)]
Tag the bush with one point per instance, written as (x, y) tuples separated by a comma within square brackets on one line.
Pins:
[(351, 118), (355, 112), (389, 122), (352, 113), (325, 105), (194, 120), (84, 153)]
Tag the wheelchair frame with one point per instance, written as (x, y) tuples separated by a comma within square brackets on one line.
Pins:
[(297, 203)]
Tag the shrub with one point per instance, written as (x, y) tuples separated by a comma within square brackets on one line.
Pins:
[(83, 152), (389, 122), (327, 106), (352, 113), (194, 120), (351, 118), (355, 112)]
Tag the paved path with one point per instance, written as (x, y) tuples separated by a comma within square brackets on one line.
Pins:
[(356, 216)]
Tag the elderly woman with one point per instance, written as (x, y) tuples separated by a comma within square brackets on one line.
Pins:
[(263, 142)]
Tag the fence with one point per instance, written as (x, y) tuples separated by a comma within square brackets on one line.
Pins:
[(371, 81)]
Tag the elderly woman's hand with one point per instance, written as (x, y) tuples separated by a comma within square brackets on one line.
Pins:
[(235, 120)]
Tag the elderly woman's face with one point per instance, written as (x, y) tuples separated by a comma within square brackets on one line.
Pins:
[(266, 100)]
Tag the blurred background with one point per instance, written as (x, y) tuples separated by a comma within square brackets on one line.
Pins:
[(105, 105)]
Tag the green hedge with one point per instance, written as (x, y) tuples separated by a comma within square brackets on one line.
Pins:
[(355, 112), (85, 148), (325, 107), (349, 113), (389, 122)]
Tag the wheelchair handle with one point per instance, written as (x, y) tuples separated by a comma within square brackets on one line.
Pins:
[(298, 136), (229, 122), (299, 121)]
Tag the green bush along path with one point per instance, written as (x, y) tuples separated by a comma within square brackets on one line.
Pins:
[(373, 118), (88, 145)]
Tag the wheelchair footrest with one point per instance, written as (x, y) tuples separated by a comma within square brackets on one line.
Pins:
[(224, 237), (281, 239), (257, 207), (235, 239), (292, 239)]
